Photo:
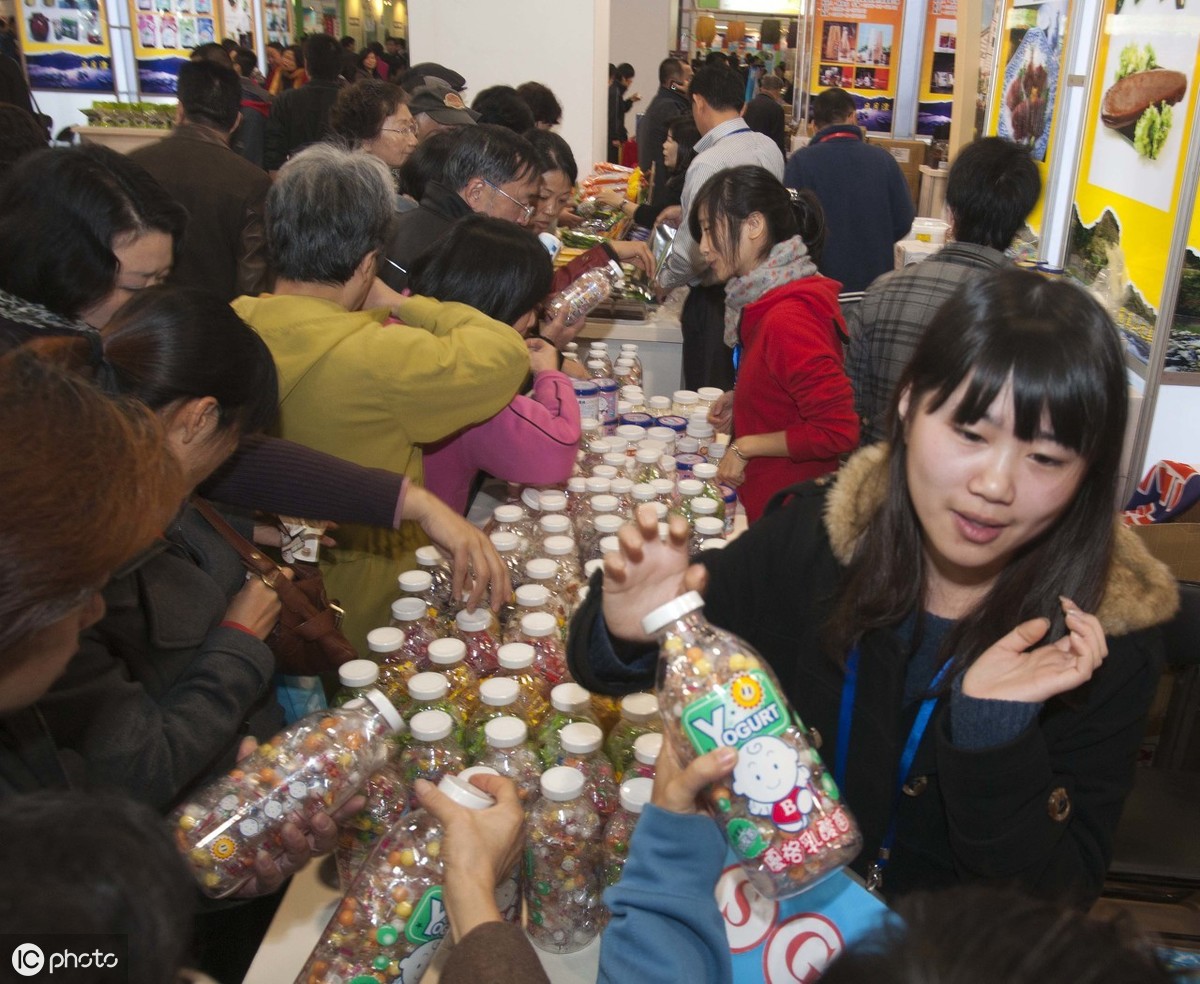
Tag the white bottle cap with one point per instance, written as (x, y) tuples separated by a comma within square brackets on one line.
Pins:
[(447, 652), (508, 514), (386, 639), (621, 486), (429, 556), (473, 620), (685, 397), (589, 569), (537, 625), (624, 363), (415, 582), (505, 541), (589, 426), (639, 708), (597, 485), (385, 708), (663, 486), (648, 456), (515, 655), (572, 697), (609, 544), (431, 725), (615, 460), (477, 770), (499, 691), (647, 748), (717, 449), (554, 524), (635, 793), (532, 499), (595, 363), (673, 610), (465, 793), (605, 472), (704, 506), (580, 738), (558, 546), (428, 686), (532, 595), (598, 446), (608, 523), (659, 404), (407, 609), (553, 501), (604, 503), (634, 394), (631, 432), (714, 543), (543, 568), (577, 484), (709, 393), (505, 732), (562, 784), (687, 445), (643, 492), (629, 346), (705, 470), (358, 673)]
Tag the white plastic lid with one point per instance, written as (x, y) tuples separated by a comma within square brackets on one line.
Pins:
[(714, 543), (709, 393), (508, 514), (598, 446), (609, 544), (648, 456), (597, 485), (708, 525), (358, 673), (562, 783), (532, 498), (639, 707), (664, 435), (690, 486), (642, 492), (558, 546), (428, 686), (587, 425), (415, 582), (499, 691), (663, 486), (605, 472), (653, 442), (601, 345), (539, 624), (580, 738), (635, 793), (687, 445), (624, 360), (668, 464), (704, 506), (705, 470), (447, 652), (515, 655), (385, 708), (473, 620), (621, 486), (505, 541), (631, 432), (615, 460), (595, 363), (685, 397), (431, 725), (589, 569), (659, 403), (629, 346), (477, 770), (428, 556), (463, 792), (617, 444), (647, 747), (608, 523), (505, 732), (532, 595), (604, 503), (543, 568), (571, 696), (553, 502), (385, 640), (717, 450), (676, 608), (577, 484), (631, 391), (407, 609), (554, 524)]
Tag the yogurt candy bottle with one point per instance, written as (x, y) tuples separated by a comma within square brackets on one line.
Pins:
[(648, 469), (474, 628), (498, 697), (568, 579), (715, 691), (432, 750), (356, 677), (629, 350), (706, 508), (391, 921), (527, 599), (705, 528), (706, 474), (569, 703), (708, 396), (516, 662), (419, 584), (634, 794), (511, 518), (448, 657), (430, 691), (431, 561), (689, 490), (639, 716), (598, 352), (386, 645), (562, 864), (411, 616), (645, 755), (387, 802), (540, 630), (508, 546), (664, 492), (702, 432), (541, 572), (313, 766), (684, 402), (507, 750), (580, 749)]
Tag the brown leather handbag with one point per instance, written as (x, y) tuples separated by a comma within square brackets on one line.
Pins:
[(307, 639)]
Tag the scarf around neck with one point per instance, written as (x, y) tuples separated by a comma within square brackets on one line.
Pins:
[(787, 261)]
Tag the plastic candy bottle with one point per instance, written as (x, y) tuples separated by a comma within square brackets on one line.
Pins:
[(386, 645), (432, 750), (498, 697), (553, 524), (474, 628), (569, 703), (430, 691), (516, 662), (387, 802), (508, 545), (639, 716), (356, 677), (527, 599), (716, 691), (683, 402), (635, 794), (605, 525), (540, 630), (419, 584), (629, 350), (411, 616), (689, 490), (448, 657), (391, 921), (313, 766), (507, 751), (585, 292), (562, 861), (645, 755), (704, 529), (709, 489), (580, 749), (568, 579), (430, 560), (542, 571)]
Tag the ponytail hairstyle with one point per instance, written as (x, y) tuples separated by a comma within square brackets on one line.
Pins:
[(1059, 351), (729, 197)]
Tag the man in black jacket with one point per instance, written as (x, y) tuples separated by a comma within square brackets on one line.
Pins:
[(670, 101), (300, 117)]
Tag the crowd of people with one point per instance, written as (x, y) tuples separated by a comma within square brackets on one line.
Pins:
[(324, 295)]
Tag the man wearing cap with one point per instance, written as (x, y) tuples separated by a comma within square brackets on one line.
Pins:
[(436, 107), (489, 170)]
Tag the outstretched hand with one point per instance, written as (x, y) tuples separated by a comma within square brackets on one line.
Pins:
[(676, 788), (474, 562)]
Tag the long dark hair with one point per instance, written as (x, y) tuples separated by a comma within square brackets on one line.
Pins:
[(686, 134), (729, 197), (1059, 351)]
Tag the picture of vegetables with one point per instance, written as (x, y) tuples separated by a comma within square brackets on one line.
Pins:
[(1138, 104), (1150, 131), (1135, 59)]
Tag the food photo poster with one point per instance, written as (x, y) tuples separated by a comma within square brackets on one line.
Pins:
[(66, 44)]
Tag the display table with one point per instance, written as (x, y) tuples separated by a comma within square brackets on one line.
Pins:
[(659, 340), (123, 139)]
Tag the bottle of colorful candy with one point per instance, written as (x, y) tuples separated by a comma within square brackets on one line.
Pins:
[(508, 546), (552, 524), (569, 576), (432, 750), (645, 755), (411, 616), (387, 802), (356, 677), (498, 697), (542, 571), (716, 691), (635, 794), (511, 518), (580, 743), (430, 691), (569, 703), (562, 862), (391, 921), (385, 645), (705, 528), (313, 766), (474, 628), (527, 599), (540, 630), (448, 657), (639, 716), (604, 525), (516, 662), (507, 751), (419, 584), (430, 560)]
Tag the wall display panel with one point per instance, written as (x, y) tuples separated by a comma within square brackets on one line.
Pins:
[(66, 44), (938, 66), (237, 21), (855, 46), (164, 33), (279, 16)]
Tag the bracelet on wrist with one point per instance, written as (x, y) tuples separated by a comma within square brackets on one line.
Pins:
[(736, 450)]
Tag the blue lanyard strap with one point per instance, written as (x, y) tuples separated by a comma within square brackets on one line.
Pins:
[(911, 744)]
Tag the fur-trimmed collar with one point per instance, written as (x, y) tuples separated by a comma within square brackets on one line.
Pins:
[(1141, 591)]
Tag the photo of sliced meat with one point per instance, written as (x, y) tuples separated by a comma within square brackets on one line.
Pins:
[(1127, 99)]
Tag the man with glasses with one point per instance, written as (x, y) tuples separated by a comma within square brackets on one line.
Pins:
[(489, 170)]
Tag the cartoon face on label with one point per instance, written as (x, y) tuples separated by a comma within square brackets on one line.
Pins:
[(769, 774), (413, 967)]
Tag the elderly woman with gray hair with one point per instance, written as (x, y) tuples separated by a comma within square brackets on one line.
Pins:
[(352, 383)]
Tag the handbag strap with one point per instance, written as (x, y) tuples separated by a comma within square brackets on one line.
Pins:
[(254, 559)]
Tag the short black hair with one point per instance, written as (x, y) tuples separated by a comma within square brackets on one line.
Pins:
[(542, 102), (992, 188), (624, 71), (554, 153), (322, 57), (493, 153), (360, 110), (348, 42), (668, 69), (428, 162), (717, 58), (246, 61), (494, 266), (210, 94), (831, 106), (212, 52), (503, 106), (721, 88), (276, 45)]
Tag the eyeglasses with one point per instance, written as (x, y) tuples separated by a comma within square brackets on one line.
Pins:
[(407, 130), (526, 210)]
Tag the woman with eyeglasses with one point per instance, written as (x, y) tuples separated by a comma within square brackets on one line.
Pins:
[(373, 116)]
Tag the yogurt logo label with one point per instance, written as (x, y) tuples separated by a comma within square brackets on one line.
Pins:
[(745, 708), (428, 920)]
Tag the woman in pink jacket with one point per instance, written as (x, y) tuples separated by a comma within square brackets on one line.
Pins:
[(501, 269)]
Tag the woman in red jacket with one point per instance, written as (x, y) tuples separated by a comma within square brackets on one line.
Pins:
[(792, 409)]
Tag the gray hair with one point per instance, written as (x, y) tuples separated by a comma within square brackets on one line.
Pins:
[(328, 209)]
